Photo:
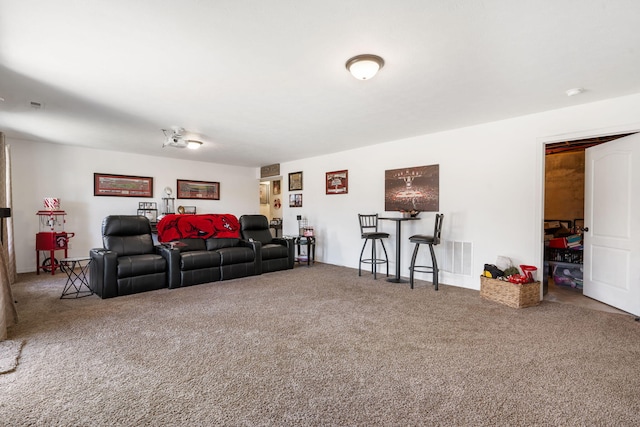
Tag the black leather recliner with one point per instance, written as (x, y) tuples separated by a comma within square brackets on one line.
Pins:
[(275, 253), (129, 262)]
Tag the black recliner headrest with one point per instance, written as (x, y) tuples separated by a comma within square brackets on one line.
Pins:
[(125, 225), (254, 222)]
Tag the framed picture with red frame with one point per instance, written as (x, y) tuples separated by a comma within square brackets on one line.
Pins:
[(122, 185), (337, 182), (204, 190)]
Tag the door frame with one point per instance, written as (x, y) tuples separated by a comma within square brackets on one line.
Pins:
[(540, 159)]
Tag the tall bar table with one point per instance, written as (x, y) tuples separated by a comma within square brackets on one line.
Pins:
[(398, 221)]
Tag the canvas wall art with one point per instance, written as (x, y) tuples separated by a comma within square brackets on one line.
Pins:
[(414, 188)]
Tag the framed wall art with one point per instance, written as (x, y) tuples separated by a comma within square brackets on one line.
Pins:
[(151, 214), (264, 194), (337, 182), (276, 187), (414, 188), (295, 181), (295, 200), (122, 185), (204, 190)]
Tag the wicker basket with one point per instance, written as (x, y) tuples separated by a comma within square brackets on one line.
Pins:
[(511, 294)]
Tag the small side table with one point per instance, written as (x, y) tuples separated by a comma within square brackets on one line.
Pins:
[(76, 280), (310, 243), (277, 229)]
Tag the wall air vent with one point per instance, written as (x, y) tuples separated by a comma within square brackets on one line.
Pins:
[(458, 257)]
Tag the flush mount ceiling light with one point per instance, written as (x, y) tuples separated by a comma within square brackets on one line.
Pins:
[(193, 144), (174, 137), (363, 67)]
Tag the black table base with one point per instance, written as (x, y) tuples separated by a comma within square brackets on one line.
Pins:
[(398, 220)]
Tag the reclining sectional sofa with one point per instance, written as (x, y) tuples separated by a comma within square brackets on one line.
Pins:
[(193, 249)]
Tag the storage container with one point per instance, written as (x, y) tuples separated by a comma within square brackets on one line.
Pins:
[(510, 294), (567, 274)]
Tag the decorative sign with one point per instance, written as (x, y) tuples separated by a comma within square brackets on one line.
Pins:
[(270, 170)]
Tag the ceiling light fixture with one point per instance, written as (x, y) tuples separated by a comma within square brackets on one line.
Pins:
[(174, 137), (193, 144), (364, 67)]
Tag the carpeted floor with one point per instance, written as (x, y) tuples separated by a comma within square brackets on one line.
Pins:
[(315, 346)]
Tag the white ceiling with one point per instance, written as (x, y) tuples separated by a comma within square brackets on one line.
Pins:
[(264, 81)]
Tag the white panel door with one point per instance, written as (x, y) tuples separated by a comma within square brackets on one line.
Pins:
[(612, 218)]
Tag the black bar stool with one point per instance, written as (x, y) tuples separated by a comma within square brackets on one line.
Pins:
[(369, 231), (421, 239)]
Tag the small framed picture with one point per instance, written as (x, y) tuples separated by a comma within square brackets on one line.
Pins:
[(337, 182), (151, 214), (295, 200), (295, 181), (276, 187)]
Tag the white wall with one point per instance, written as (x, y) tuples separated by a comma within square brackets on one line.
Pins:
[(50, 170), (491, 183)]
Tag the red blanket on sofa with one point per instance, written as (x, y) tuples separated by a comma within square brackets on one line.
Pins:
[(173, 227)]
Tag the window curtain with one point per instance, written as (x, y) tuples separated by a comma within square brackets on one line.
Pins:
[(8, 276)]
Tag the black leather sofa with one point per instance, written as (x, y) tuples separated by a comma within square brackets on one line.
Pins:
[(129, 262), (193, 261), (274, 253)]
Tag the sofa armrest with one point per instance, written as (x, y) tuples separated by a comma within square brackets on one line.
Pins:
[(256, 247), (289, 243), (103, 276), (282, 241), (172, 256)]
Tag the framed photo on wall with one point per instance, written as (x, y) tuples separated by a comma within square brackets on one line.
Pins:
[(295, 181), (337, 182), (264, 194), (122, 185), (295, 200), (198, 190)]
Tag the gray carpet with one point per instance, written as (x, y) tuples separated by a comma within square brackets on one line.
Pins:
[(315, 346)]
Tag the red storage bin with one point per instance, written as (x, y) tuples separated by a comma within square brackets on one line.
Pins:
[(558, 243)]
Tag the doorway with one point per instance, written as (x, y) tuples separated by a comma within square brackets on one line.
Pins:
[(563, 212), (271, 203)]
